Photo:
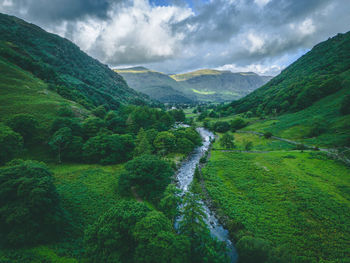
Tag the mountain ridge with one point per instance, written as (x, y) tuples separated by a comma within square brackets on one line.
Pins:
[(202, 85)]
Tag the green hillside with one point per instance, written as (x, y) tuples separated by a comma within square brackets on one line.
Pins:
[(319, 73), (219, 86), (57, 61), (157, 85)]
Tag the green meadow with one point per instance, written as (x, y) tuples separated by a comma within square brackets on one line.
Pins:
[(299, 202)]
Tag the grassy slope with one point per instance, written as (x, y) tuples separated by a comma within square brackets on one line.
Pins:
[(297, 125), (315, 75), (73, 68), (299, 201), (21, 92)]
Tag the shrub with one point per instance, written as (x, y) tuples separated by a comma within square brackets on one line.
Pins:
[(24, 124), (237, 124), (10, 143), (345, 105), (268, 135), (221, 126), (252, 250)]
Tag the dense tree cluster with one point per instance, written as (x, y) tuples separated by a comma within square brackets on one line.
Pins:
[(30, 210), (11, 143)]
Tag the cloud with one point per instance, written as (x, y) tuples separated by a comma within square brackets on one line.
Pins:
[(176, 36)]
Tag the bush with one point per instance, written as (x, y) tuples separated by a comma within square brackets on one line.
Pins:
[(268, 135), (24, 124), (345, 105), (221, 126), (237, 124), (30, 212), (10, 143), (252, 250)]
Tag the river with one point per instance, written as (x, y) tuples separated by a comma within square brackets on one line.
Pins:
[(185, 177)]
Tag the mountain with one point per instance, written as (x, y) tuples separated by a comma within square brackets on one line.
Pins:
[(157, 85), (219, 86), (321, 72), (309, 100), (60, 64)]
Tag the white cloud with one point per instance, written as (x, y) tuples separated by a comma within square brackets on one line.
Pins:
[(267, 70), (132, 34)]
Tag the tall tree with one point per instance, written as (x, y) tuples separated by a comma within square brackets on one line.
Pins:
[(60, 140), (227, 141)]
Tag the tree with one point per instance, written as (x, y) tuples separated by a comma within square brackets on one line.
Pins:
[(227, 141), (30, 210), (11, 143), (248, 145), (178, 115), (142, 144), (165, 142), (91, 126), (100, 111), (148, 174), (110, 239), (221, 126), (60, 140), (170, 202), (203, 247), (24, 124), (157, 242), (345, 105), (184, 145), (108, 149)]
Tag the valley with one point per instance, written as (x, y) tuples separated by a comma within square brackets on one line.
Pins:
[(131, 165)]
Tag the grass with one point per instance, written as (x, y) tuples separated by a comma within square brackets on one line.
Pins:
[(86, 192), (21, 92), (299, 202), (259, 143), (297, 125)]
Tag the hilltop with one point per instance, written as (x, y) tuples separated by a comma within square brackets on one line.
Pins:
[(206, 85)]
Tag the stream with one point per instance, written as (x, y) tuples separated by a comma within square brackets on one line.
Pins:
[(185, 177)]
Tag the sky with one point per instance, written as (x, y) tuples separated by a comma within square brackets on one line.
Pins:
[(175, 36)]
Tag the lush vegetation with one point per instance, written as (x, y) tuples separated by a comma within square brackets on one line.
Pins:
[(321, 72), (69, 71), (290, 206)]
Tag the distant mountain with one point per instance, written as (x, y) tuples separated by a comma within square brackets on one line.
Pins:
[(202, 85), (58, 62), (157, 85), (219, 86)]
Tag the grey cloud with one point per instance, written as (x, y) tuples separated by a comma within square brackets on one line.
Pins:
[(217, 33)]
